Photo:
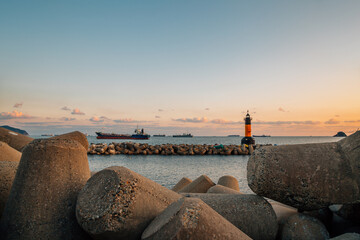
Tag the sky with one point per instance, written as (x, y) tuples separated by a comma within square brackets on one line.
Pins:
[(180, 66)]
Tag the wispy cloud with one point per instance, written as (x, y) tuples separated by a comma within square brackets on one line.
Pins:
[(352, 121), (332, 121), (125, 120), (160, 110), (77, 111), (14, 114), (282, 109), (192, 120), (65, 108), (157, 117), (207, 109), (104, 118), (287, 122), (96, 119), (66, 119), (18, 105), (337, 116), (224, 121)]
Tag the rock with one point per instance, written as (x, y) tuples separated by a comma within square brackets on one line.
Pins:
[(350, 212), (282, 211), (300, 226), (7, 175), (199, 185), (8, 153), (308, 176), (41, 204), (76, 136), (219, 189), (340, 134), (250, 213), (191, 218), (14, 140), (230, 182), (181, 184), (324, 215), (347, 236), (117, 203)]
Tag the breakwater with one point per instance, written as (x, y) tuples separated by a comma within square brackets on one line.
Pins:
[(130, 148)]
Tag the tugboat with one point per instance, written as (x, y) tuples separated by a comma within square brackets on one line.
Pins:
[(138, 135)]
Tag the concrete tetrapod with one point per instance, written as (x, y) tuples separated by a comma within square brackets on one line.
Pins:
[(308, 176), (117, 203), (222, 190), (199, 185), (76, 136), (300, 226), (7, 175), (230, 182), (42, 199), (191, 218), (181, 184), (8, 153), (13, 139), (250, 213)]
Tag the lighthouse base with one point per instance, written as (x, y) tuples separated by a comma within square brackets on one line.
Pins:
[(247, 140)]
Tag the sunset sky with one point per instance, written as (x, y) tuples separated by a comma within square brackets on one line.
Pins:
[(181, 66)]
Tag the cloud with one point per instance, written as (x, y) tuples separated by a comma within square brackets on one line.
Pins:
[(18, 105), (65, 108), (332, 121), (282, 110), (160, 110), (207, 109), (287, 122), (125, 120), (352, 121), (66, 119), (12, 115), (224, 121), (96, 119), (157, 116), (337, 116), (105, 118), (192, 120), (77, 111)]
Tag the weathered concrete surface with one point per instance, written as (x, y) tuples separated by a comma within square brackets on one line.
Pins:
[(13, 139), (230, 182), (8, 153), (191, 218), (219, 189), (308, 176), (117, 203), (42, 200), (250, 213), (282, 211), (76, 136), (347, 236), (300, 226), (199, 185), (7, 175), (181, 184)]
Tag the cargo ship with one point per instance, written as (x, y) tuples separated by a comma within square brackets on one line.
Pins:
[(183, 135), (261, 135), (138, 135)]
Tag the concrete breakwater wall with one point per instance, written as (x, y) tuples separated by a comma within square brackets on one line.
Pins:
[(130, 148)]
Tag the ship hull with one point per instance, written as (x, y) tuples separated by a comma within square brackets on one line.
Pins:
[(118, 136)]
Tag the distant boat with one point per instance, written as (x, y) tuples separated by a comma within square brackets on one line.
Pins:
[(139, 135), (159, 135), (233, 135), (261, 135), (183, 135)]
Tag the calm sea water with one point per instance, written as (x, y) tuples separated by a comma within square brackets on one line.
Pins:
[(168, 170)]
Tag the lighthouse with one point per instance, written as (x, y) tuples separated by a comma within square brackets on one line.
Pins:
[(247, 139)]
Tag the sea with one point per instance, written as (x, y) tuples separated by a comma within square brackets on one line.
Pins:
[(168, 170)]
